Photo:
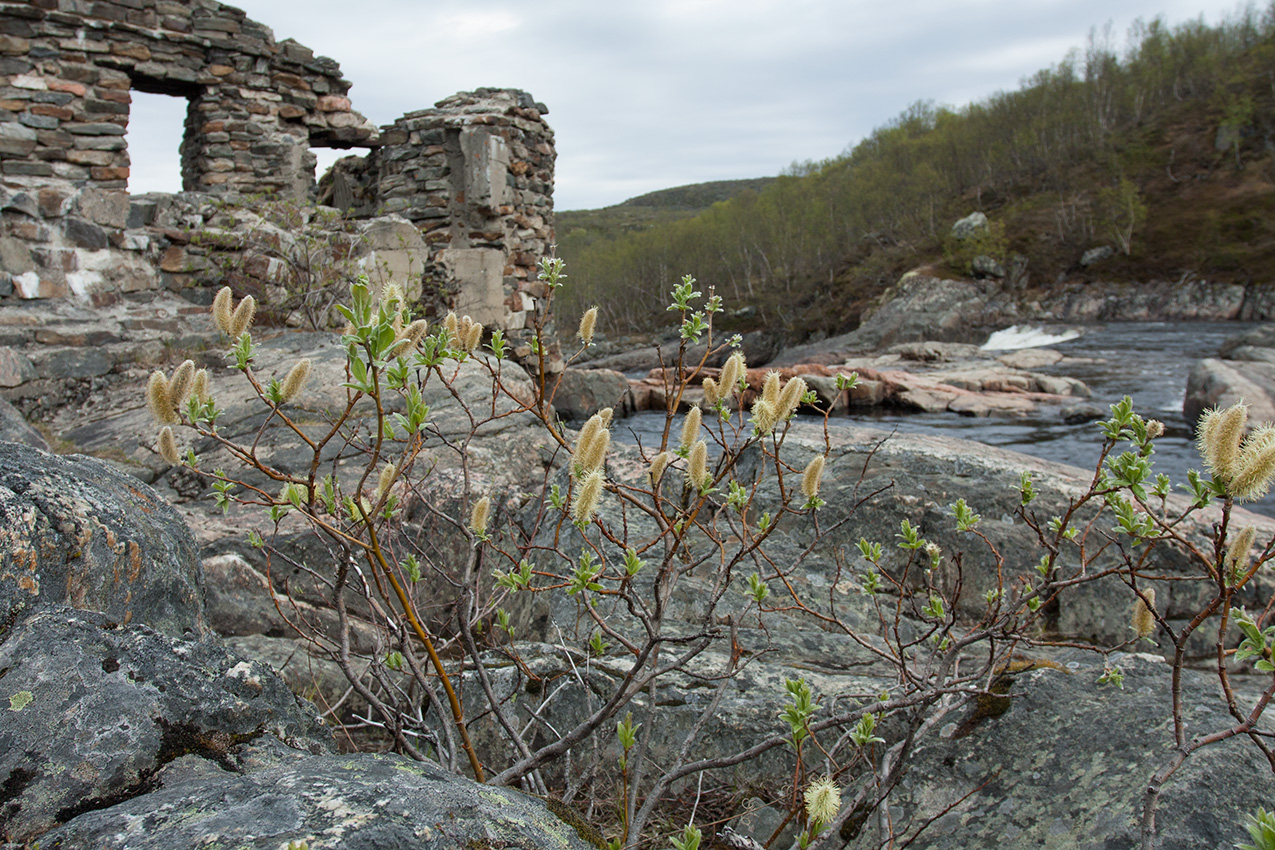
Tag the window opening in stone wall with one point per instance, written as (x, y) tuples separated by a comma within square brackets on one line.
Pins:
[(156, 126)]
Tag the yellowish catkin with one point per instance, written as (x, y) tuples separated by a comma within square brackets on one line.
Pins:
[(168, 446), (691, 426), (1218, 439), (295, 380), (1155, 428), (697, 465), (764, 416), (712, 395), (201, 387), (823, 800), (473, 337), (732, 372), (241, 319), (415, 332), (770, 389), (452, 325), (157, 400), (384, 480), (588, 497), (588, 322), (182, 382), (585, 452), (1144, 613), (605, 415), (790, 397), (658, 464), (1252, 479), (221, 309), (1237, 553), (478, 516), (595, 453), (811, 477)]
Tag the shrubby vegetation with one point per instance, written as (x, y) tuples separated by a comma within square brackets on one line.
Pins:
[(1111, 146), (610, 536)]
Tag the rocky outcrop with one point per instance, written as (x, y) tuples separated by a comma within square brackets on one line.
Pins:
[(97, 709), (924, 307), (1243, 371), (367, 801), (78, 532), (581, 393)]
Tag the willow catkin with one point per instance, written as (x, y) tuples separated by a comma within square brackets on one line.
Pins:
[(585, 452), (452, 325), (473, 337), (691, 426), (658, 464), (588, 497), (1236, 562), (594, 454), (1218, 439), (770, 389), (1253, 475), (811, 477), (168, 446), (221, 309), (201, 387), (712, 395), (180, 385), (1143, 621), (588, 322), (764, 416), (478, 516), (697, 465), (732, 371), (384, 480), (790, 397), (295, 380), (241, 319), (415, 332), (157, 399), (823, 800)]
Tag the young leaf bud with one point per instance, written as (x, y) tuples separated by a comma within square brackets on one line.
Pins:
[(241, 319), (295, 380), (1143, 613), (691, 426), (221, 311), (588, 322), (168, 446)]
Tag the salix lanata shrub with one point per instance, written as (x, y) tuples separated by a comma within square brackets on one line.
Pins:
[(662, 555)]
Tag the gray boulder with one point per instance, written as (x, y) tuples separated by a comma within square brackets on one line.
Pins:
[(15, 429), (972, 225), (583, 392), (96, 709), (1221, 383), (358, 802), (77, 532)]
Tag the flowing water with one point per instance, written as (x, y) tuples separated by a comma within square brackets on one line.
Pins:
[(1148, 361)]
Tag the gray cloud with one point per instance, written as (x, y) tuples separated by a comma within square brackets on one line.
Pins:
[(647, 95)]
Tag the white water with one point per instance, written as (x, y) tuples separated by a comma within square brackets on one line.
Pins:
[(1022, 336)]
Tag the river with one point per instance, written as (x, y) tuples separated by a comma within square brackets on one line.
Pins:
[(1148, 361)]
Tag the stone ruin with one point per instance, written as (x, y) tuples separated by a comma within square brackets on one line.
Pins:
[(454, 201)]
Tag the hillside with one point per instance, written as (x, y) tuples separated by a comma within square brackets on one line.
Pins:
[(584, 227), (1161, 152)]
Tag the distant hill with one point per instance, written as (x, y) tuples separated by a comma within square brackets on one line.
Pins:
[(1160, 151), (644, 211)]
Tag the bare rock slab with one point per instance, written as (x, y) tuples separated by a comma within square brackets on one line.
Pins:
[(359, 802), (95, 710)]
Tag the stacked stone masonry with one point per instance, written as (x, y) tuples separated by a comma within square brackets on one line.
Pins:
[(473, 176)]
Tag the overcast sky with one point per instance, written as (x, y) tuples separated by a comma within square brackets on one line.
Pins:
[(649, 94)]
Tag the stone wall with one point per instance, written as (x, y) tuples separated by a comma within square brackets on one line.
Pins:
[(475, 175)]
